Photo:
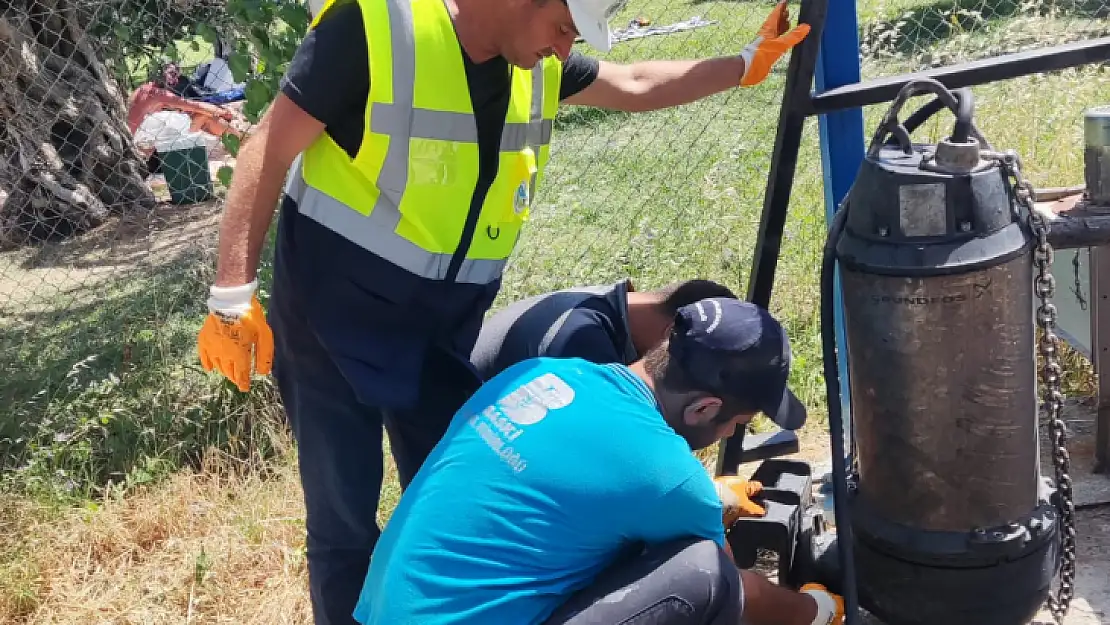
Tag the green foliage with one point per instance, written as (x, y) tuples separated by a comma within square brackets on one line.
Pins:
[(231, 142), (145, 29), (266, 35), (223, 174)]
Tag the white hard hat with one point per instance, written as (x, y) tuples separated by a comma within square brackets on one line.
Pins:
[(591, 18)]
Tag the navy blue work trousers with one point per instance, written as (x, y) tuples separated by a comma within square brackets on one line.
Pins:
[(339, 444)]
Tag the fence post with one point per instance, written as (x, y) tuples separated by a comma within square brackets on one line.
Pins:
[(842, 148)]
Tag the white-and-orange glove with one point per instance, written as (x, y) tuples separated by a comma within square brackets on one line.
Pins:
[(735, 494), (235, 338), (830, 607), (771, 43)]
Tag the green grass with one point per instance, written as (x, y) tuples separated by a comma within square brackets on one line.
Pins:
[(101, 387)]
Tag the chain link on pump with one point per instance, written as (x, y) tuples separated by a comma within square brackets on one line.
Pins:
[(1051, 375)]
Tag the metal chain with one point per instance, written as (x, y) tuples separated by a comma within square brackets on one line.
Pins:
[(1051, 375)]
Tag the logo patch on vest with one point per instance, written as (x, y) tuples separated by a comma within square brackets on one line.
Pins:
[(520, 200)]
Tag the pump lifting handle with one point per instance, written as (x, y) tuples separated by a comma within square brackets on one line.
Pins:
[(961, 102), (961, 131)]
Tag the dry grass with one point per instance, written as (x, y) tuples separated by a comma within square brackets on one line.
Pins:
[(34, 278), (204, 548)]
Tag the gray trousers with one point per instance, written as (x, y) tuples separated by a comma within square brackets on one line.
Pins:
[(687, 582)]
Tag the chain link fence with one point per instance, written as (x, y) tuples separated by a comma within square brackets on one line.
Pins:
[(117, 119), (111, 193)]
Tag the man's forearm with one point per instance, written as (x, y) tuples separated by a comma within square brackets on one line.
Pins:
[(250, 208), (259, 174), (663, 84), (768, 604)]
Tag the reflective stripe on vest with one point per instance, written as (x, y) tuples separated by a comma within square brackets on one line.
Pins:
[(377, 232), (333, 195)]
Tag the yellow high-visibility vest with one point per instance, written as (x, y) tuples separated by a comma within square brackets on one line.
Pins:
[(406, 194)]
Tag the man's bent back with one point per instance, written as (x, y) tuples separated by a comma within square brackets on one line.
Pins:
[(547, 474)]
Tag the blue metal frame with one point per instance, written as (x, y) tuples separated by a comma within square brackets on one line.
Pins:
[(842, 146)]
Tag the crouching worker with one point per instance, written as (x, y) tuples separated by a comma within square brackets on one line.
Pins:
[(609, 323), (565, 492)]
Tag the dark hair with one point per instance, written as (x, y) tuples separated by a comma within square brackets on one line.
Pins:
[(679, 294), (669, 378)]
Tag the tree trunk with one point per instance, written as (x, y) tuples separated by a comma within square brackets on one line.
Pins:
[(67, 159)]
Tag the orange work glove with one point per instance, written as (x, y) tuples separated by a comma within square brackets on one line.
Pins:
[(770, 45), (830, 607), (735, 494), (234, 334)]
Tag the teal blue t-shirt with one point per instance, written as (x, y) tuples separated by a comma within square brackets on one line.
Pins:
[(549, 472)]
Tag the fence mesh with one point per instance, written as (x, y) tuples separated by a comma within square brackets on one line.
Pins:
[(111, 192)]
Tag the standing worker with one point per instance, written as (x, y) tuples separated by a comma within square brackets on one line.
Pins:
[(413, 133)]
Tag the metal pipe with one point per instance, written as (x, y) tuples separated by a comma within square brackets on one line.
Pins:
[(1096, 154)]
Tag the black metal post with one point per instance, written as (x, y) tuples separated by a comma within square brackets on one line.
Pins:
[(972, 73)]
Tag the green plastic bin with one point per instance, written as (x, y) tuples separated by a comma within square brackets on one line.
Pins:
[(185, 166)]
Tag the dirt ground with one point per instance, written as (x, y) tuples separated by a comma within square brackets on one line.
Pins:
[(67, 273)]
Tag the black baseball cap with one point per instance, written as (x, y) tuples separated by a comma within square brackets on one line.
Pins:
[(735, 349)]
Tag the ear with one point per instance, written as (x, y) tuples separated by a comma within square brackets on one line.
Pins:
[(701, 411)]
